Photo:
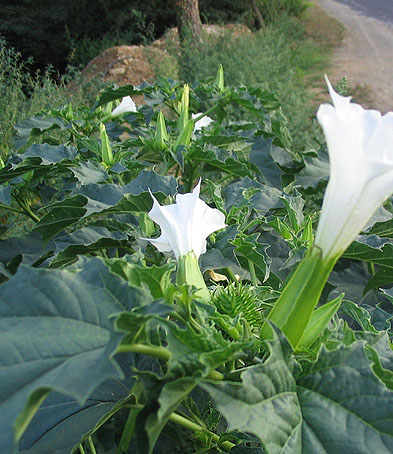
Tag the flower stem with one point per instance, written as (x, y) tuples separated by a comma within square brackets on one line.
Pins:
[(128, 431), (14, 210), (27, 210), (151, 350), (231, 274), (251, 267), (91, 446)]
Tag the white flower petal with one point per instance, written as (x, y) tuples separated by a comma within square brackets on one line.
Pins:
[(360, 145), (126, 105), (186, 224), (202, 123)]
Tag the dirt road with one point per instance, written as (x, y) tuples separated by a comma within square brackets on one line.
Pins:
[(365, 57)]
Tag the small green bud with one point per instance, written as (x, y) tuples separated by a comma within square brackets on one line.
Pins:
[(106, 150), (183, 109), (220, 79), (161, 135)]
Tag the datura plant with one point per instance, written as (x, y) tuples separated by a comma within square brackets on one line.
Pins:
[(360, 146), (163, 288)]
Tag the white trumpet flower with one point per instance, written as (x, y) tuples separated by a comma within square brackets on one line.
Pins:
[(126, 105), (186, 224), (360, 146), (202, 123)]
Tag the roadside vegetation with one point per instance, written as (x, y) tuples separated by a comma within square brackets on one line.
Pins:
[(288, 57)]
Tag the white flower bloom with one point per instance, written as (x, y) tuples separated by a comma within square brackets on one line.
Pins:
[(360, 145), (202, 123), (186, 224), (126, 105)]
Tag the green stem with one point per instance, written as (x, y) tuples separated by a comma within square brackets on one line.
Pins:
[(81, 449), (187, 424), (14, 210), (254, 279), (27, 210), (231, 274), (160, 353), (151, 350), (91, 446), (371, 268), (128, 431)]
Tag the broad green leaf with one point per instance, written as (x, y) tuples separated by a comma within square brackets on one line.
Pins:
[(381, 353), (352, 281), (61, 215), (261, 156), (371, 248), (224, 160), (359, 314), (62, 323), (89, 172), (384, 276), (110, 94), (85, 241), (105, 198), (36, 164), (133, 322), (49, 154), (264, 402), (262, 198), (62, 421), (249, 248), (316, 170), (222, 254), (25, 250), (156, 278), (345, 407), (33, 127)]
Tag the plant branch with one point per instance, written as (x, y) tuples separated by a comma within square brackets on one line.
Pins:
[(10, 208), (160, 353), (254, 279), (151, 350), (190, 425), (27, 210)]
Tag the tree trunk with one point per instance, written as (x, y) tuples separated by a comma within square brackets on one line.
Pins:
[(188, 20), (258, 14)]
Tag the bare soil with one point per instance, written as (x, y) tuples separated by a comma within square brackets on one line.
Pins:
[(365, 56)]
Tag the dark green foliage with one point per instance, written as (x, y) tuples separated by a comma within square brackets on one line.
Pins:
[(102, 349)]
